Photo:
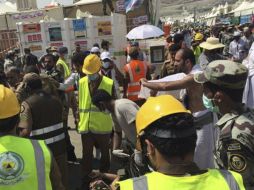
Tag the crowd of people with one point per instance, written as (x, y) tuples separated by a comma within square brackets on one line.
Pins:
[(203, 140)]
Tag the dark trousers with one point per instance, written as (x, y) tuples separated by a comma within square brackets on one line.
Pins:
[(102, 142), (69, 147), (61, 161)]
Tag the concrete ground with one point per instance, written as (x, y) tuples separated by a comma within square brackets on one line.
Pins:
[(75, 168), (75, 174)]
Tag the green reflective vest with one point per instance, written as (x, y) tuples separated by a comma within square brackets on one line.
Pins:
[(91, 118), (211, 180), (67, 71), (24, 164), (197, 52)]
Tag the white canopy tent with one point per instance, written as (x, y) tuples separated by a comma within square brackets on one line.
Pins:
[(83, 2), (6, 6), (249, 10), (242, 8)]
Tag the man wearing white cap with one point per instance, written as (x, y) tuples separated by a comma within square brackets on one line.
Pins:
[(109, 69), (247, 38), (96, 51), (237, 49), (212, 49)]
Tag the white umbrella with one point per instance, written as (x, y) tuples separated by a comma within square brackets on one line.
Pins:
[(143, 32)]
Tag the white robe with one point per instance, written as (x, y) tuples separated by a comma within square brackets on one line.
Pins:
[(207, 138), (248, 94)]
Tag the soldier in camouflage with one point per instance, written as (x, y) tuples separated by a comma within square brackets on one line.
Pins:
[(223, 83), (49, 83), (226, 39), (53, 73)]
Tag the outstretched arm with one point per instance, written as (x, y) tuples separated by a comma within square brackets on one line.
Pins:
[(167, 86)]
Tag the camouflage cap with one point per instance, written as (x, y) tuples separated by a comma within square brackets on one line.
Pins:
[(31, 77), (224, 73)]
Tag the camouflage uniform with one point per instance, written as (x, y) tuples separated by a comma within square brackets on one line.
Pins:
[(226, 39), (235, 148), (58, 76), (49, 85)]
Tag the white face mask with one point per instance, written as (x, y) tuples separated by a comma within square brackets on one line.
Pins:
[(106, 65), (128, 59), (55, 53), (93, 77), (65, 56)]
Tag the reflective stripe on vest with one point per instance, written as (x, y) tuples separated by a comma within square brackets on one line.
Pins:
[(30, 164), (46, 129), (142, 184), (221, 179), (89, 110), (232, 183), (67, 71), (133, 93), (49, 129), (40, 162), (134, 85), (55, 139), (91, 118)]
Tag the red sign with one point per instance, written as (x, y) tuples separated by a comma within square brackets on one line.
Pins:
[(34, 38), (31, 28), (57, 44)]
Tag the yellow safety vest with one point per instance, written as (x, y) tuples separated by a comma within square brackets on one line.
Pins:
[(67, 71), (91, 118), (211, 180), (24, 164), (197, 52)]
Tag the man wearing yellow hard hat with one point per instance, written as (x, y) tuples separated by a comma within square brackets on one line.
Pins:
[(195, 45), (167, 138), (94, 126), (24, 163)]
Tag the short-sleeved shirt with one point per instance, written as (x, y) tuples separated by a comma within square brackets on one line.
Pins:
[(124, 118), (26, 119)]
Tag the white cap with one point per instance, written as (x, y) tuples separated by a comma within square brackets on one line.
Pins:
[(106, 55), (236, 33), (95, 50), (246, 29)]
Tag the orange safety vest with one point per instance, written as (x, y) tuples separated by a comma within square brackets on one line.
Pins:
[(137, 70)]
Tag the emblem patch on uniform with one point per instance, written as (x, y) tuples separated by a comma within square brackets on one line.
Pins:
[(11, 168), (137, 70), (237, 162), (234, 146)]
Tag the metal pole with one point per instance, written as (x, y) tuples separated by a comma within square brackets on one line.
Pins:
[(8, 32), (195, 15)]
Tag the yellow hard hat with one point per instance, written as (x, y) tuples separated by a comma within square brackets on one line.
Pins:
[(9, 105), (92, 64), (156, 108), (199, 37)]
